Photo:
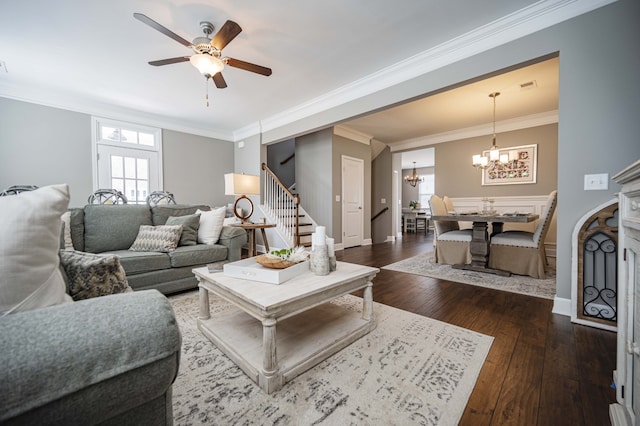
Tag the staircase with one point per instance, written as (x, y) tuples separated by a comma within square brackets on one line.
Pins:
[(283, 208)]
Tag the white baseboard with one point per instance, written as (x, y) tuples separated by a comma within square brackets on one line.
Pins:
[(367, 242), (390, 239), (561, 306)]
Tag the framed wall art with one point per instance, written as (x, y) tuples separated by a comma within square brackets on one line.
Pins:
[(519, 169)]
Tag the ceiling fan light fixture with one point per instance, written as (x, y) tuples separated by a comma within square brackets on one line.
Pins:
[(207, 65)]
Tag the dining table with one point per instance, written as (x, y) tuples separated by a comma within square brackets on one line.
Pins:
[(480, 240)]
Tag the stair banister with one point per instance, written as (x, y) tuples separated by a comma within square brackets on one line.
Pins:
[(282, 205)]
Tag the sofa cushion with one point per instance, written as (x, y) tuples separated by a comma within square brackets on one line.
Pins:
[(30, 224), (113, 227), (211, 223), (77, 228), (136, 262), (92, 275), (190, 224), (160, 214), (162, 238), (197, 255)]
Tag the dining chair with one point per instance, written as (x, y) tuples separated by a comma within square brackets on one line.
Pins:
[(451, 243), (410, 222), (448, 204), (522, 252)]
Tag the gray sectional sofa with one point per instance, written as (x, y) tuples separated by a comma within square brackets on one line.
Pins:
[(113, 229)]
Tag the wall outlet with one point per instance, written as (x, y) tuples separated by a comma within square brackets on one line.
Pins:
[(337, 198), (596, 182), (383, 201)]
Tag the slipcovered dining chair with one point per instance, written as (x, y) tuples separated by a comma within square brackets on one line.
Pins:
[(451, 243), (521, 252), (448, 204)]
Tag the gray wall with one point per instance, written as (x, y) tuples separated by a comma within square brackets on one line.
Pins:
[(193, 167), (381, 187), (598, 106), (279, 152), (456, 177), (41, 146), (314, 177)]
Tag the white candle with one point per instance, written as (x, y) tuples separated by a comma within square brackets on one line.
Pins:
[(330, 248), (322, 233)]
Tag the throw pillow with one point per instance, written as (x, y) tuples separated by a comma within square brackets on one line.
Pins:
[(162, 238), (92, 275), (190, 225), (30, 224), (210, 225)]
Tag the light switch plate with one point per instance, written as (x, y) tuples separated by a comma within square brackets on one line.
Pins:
[(596, 182), (383, 201), (337, 198)]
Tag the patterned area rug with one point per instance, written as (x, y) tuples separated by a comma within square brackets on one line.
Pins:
[(409, 370), (425, 265)]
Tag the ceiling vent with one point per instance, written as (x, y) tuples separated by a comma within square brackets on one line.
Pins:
[(528, 85)]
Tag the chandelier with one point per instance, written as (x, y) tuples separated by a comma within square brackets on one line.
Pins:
[(483, 161), (414, 178)]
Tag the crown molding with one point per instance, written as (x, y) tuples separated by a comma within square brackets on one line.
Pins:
[(72, 102), (533, 120), (354, 135), (531, 19)]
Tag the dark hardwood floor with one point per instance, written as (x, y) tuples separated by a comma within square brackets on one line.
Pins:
[(541, 370)]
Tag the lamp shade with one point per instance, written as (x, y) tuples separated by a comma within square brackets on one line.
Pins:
[(240, 184)]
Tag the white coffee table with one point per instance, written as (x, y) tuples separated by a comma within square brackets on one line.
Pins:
[(309, 329)]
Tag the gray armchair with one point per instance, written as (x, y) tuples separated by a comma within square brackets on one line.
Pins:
[(107, 360)]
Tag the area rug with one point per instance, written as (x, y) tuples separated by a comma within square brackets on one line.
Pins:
[(409, 370), (425, 265)]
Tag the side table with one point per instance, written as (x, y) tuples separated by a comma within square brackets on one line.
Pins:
[(251, 230)]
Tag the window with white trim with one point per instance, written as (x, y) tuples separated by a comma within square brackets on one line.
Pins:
[(128, 158), (426, 189)]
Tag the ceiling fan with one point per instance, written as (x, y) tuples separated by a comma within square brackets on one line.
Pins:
[(208, 57)]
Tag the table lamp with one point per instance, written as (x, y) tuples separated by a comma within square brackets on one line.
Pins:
[(243, 185)]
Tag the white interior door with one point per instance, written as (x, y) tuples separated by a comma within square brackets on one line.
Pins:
[(352, 201), (134, 172)]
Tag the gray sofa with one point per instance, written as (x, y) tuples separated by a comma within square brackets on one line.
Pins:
[(109, 360), (113, 229)]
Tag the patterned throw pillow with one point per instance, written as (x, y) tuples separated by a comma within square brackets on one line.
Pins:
[(162, 238), (92, 275)]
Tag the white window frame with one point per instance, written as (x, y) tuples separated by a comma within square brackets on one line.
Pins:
[(96, 139), (426, 194)]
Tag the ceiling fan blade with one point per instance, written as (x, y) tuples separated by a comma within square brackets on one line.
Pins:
[(228, 32), (169, 61), (153, 24), (247, 66), (218, 79)]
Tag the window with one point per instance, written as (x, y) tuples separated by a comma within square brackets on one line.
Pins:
[(128, 158), (426, 189)]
